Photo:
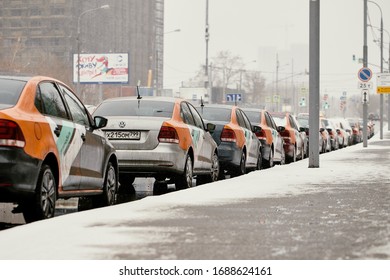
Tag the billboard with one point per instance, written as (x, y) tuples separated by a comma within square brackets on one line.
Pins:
[(101, 68)]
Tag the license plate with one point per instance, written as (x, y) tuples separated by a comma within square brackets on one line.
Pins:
[(123, 135)]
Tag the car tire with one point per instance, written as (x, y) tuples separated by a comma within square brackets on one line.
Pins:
[(160, 188), (42, 206), (126, 180), (184, 181), (283, 157), (259, 164), (214, 175), (293, 158), (110, 187), (241, 169), (270, 162)]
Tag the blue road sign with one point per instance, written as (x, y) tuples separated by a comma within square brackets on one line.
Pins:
[(233, 97), (365, 74)]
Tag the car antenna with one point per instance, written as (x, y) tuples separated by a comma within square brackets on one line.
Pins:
[(201, 104), (139, 97)]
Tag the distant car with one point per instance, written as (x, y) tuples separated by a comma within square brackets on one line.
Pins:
[(293, 136), (343, 134), (51, 148), (357, 135), (304, 122), (160, 137), (239, 150), (271, 140), (335, 138)]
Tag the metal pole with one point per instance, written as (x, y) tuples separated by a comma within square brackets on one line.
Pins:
[(381, 96), (206, 67), (314, 83), (365, 62)]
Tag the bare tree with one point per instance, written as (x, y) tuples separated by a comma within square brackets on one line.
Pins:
[(254, 84), (226, 69)]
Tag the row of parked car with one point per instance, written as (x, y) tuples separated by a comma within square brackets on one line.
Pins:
[(52, 147)]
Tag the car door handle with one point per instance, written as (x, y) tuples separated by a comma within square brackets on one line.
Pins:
[(57, 131), (83, 136)]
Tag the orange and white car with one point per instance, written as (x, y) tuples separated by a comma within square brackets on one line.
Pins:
[(160, 137), (269, 136), (294, 136), (50, 147), (238, 147)]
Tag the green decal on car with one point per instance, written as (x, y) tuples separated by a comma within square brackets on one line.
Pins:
[(65, 138)]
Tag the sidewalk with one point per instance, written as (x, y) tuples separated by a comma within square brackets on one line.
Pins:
[(337, 211)]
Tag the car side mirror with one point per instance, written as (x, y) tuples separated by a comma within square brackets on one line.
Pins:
[(281, 128), (322, 129), (256, 129), (100, 122), (210, 127)]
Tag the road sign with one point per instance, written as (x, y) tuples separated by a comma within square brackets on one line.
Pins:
[(233, 97), (383, 83), (365, 85), (365, 74), (365, 96)]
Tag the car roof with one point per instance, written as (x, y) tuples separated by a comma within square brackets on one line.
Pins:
[(218, 106), (157, 98)]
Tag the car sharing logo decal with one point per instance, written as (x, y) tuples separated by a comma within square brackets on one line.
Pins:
[(65, 138)]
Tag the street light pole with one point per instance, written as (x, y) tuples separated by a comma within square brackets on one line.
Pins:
[(79, 43), (381, 95), (365, 62)]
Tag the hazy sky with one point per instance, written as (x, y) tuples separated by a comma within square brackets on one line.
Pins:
[(243, 26)]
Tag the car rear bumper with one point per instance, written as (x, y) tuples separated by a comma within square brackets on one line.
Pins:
[(165, 159), (229, 155), (18, 174)]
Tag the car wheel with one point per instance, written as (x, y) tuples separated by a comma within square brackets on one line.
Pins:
[(126, 180), (259, 164), (43, 204), (293, 158), (160, 188), (283, 159), (270, 162), (241, 170), (110, 187), (215, 169), (184, 181)]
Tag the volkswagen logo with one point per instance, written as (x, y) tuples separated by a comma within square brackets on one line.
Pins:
[(122, 124)]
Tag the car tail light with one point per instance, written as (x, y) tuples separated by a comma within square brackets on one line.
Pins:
[(10, 134), (261, 135), (168, 134), (286, 136), (228, 135)]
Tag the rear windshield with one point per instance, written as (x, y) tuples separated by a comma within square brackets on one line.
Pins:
[(10, 91), (280, 120), (215, 114), (254, 117), (303, 121), (136, 108)]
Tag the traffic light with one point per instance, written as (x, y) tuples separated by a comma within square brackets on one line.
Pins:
[(354, 57)]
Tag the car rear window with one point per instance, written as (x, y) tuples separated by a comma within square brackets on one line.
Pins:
[(215, 114), (253, 116), (10, 91), (136, 108), (280, 120)]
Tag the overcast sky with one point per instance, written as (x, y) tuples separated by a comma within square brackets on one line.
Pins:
[(243, 26)]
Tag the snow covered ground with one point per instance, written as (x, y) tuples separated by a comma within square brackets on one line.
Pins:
[(82, 236)]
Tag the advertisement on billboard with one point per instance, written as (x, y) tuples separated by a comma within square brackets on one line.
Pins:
[(101, 68)]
